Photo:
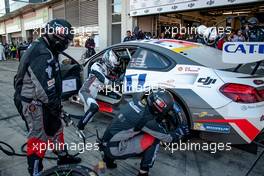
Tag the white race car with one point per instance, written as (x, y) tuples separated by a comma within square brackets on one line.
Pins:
[(225, 102)]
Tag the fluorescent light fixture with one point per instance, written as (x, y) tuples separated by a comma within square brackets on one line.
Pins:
[(232, 13)]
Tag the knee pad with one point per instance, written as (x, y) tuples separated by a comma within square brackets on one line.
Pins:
[(83, 100), (92, 105), (88, 116), (93, 108), (36, 147), (146, 141)]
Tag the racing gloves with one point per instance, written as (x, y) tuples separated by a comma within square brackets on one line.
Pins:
[(179, 133)]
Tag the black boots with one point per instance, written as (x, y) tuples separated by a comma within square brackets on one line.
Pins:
[(142, 174), (67, 159)]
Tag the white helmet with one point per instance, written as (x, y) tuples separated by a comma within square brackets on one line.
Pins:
[(201, 30), (210, 33), (111, 60)]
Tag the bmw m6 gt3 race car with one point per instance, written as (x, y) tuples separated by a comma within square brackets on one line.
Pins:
[(225, 102)]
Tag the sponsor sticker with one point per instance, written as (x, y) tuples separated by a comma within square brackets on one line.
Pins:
[(160, 103), (217, 128), (198, 126), (212, 128), (192, 69), (204, 114), (189, 69), (51, 83), (250, 107), (242, 52), (207, 81), (180, 69)]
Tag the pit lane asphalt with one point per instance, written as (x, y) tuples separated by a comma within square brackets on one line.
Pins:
[(184, 163)]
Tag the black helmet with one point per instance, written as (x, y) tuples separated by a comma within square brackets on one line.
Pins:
[(253, 21), (160, 102), (59, 32)]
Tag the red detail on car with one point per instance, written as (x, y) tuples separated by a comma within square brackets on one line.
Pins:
[(105, 107), (242, 93), (245, 126)]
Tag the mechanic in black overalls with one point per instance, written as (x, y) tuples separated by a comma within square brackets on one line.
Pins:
[(137, 131), (38, 87), (254, 32)]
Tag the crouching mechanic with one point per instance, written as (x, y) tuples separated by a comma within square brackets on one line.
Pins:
[(102, 73), (38, 88), (137, 131)]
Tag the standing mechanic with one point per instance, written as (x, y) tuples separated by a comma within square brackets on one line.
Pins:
[(38, 94), (254, 32), (102, 73), (137, 131)]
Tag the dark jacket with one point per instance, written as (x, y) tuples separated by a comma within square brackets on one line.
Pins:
[(39, 78), (89, 43), (127, 39), (132, 120)]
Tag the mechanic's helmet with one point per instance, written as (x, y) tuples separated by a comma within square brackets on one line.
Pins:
[(210, 34), (201, 29), (160, 102), (59, 33), (253, 21), (111, 60)]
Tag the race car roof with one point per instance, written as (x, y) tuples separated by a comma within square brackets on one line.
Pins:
[(196, 52)]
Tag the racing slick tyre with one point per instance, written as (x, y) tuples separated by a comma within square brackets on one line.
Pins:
[(69, 170), (177, 117)]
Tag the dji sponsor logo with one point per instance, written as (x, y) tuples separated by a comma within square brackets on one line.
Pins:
[(207, 81)]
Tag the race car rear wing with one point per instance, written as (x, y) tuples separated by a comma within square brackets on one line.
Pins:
[(243, 53)]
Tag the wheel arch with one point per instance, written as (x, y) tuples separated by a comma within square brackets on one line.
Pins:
[(183, 104)]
